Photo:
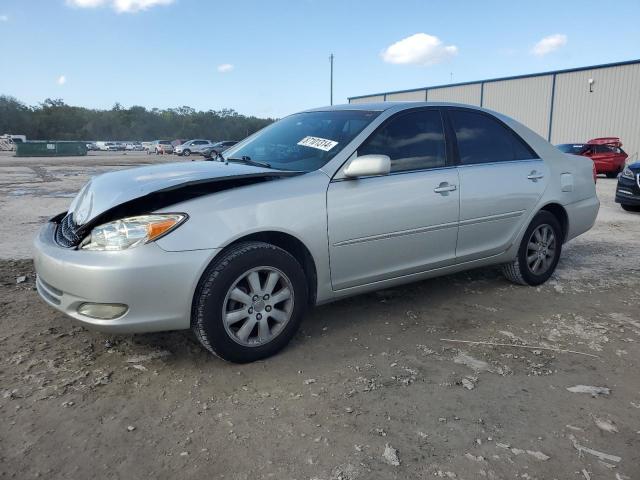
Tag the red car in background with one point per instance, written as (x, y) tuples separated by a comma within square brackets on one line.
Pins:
[(606, 153)]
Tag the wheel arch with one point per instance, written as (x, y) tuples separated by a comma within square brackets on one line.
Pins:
[(291, 245), (561, 215)]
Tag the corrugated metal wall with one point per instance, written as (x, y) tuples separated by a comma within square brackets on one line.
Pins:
[(414, 95), (469, 94), (370, 99), (528, 100), (612, 109), (577, 115)]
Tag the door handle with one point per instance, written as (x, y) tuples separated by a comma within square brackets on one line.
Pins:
[(535, 176), (444, 188)]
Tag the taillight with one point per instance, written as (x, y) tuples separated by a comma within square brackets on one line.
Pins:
[(595, 173)]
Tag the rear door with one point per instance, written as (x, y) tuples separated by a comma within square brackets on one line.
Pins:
[(608, 158), (501, 181), (603, 157), (387, 226)]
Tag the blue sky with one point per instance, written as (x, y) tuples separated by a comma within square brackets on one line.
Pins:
[(270, 58)]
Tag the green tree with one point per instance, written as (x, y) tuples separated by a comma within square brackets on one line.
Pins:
[(53, 119)]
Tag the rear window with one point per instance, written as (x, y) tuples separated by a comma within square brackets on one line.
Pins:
[(165, 142)]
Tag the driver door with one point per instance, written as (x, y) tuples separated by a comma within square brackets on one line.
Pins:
[(388, 226)]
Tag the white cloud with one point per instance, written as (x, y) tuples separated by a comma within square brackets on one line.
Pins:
[(62, 80), (548, 44), (120, 6), (86, 3), (225, 68), (4, 18), (418, 49)]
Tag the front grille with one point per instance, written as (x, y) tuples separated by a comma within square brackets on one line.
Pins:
[(66, 233)]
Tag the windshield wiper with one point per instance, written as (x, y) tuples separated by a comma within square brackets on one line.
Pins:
[(247, 160)]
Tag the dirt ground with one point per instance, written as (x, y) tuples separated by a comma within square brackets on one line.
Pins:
[(367, 390)]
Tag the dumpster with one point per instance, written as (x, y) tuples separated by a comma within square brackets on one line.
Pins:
[(50, 149)]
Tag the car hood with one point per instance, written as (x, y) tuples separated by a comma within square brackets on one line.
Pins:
[(151, 187), (635, 166)]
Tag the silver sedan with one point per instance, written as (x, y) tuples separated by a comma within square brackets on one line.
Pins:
[(318, 206)]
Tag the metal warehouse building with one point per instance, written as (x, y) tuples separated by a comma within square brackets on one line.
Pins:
[(563, 106)]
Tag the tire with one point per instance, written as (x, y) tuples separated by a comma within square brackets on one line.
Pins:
[(224, 292), (522, 272), (186, 153), (612, 174), (630, 208)]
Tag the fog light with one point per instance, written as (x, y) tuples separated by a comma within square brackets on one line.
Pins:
[(102, 311)]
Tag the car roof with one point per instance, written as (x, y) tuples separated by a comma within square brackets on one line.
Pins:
[(382, 106)]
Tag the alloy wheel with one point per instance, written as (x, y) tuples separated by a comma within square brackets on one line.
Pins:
[(258, 306), (541, 249)]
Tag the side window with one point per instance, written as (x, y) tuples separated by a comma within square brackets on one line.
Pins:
[(413, 141), (605, 149), (482, 139)]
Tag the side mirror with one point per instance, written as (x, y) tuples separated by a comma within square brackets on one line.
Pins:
[(368, 165)]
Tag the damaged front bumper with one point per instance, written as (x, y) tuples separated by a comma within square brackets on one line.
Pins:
[(155, 286), (628, 191)]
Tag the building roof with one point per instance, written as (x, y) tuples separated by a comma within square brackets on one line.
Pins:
[(514, 77)]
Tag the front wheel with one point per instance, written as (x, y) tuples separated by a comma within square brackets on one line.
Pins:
[(539, 251), (630, 208), (186, 153), (250, 302)]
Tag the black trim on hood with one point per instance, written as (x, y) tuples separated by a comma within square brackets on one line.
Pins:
[(165, 197)]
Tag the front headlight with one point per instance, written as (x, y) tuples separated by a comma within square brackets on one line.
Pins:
[(132, 231), (628, 173)]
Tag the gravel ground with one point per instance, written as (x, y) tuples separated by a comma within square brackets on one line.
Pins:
[(367, 390)]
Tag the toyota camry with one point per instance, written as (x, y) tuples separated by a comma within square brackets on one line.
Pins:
[(318, 206)]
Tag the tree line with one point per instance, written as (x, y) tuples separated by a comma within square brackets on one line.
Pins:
[(55, 120)]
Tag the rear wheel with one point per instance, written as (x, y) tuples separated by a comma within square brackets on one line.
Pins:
[(539, 251), (250, 302), (612, 174)]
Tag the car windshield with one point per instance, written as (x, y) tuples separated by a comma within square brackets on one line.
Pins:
[(574, 148), (304, 141)]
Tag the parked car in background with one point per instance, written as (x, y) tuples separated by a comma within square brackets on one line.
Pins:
[(134, 147), (606, 153), (92, 147), (628, 189), (115, 146), (318, 206), (192, 146), (160, 147), (10, 142), (218, 147)]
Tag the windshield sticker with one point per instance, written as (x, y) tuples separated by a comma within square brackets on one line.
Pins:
[(317, 142)]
